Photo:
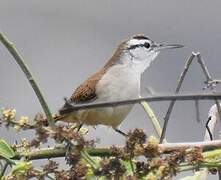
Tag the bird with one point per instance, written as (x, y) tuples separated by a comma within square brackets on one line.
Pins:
[(118, 79)]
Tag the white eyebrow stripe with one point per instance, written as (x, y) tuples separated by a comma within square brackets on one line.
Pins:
[(136, 42)]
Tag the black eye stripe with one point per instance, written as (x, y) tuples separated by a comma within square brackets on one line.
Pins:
[(146, 45), (134, 46)]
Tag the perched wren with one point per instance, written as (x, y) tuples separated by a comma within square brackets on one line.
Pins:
[(118, 79)]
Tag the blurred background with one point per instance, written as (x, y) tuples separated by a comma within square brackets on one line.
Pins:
[(63, 42)]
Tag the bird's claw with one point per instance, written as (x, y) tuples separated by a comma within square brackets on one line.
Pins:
[(211, 84), (67, 102)]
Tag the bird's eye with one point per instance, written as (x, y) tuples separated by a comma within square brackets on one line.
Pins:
[(146, 45)]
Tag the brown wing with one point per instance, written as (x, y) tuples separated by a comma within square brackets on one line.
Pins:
[(86, 91)]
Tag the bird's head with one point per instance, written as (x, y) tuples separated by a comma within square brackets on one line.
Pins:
[(139, 51)]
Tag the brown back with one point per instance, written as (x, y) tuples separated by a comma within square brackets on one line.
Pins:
[(86, 91)]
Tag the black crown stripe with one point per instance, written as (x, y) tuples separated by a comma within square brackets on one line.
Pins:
[(140, 37)]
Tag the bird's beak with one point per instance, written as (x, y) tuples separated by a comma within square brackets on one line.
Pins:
[(160, 47)]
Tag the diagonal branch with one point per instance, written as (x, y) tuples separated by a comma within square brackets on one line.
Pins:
[(20, 61), (204, 68), (180, 81)]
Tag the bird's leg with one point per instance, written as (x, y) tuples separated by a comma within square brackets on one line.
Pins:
[(121, 132), (68, 147), (80, 126), (69, 144)]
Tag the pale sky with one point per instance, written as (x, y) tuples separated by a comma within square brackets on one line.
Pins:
[(63, 42)]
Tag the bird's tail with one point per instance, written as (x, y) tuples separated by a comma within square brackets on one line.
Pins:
[(69, 117), (56, 118)]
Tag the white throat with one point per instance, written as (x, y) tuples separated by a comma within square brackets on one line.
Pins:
[(122, 80), (139, 61)]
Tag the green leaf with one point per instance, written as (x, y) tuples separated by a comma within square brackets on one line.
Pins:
[(5, 150), (128, 165), (21, 167), (90, 174), (212, 154)]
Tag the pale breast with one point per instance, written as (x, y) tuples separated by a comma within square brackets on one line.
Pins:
[(118, 83)]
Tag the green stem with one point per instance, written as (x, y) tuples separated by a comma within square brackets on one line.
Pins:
[(84, 155), (20, 61), (152, 117), (60, 151), (131, 165), (88, 159), (201, 165), (4, 169)]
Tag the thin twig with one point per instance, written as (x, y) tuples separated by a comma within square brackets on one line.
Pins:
[(20, 61), (170, 108), (215, 81), (203, 66), (169, 97), (209, 145)]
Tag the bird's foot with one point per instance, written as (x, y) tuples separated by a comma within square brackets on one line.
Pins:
[(121, 132), (68, 149), (79, 127)]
